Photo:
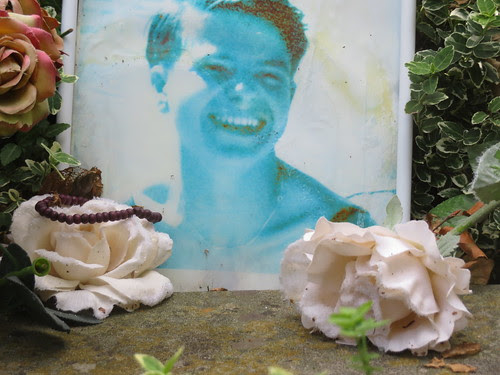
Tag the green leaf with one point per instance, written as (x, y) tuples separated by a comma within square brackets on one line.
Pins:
[(459, 43), (454, 161), (31, 301), (487, 50), (494, 105), (5, 220), (475, 152), (4, 181), (460, 180), (419, 67), (149, 362), (434, 98), (422, 173), (449, 192), (474, 40), (486, 184), (459, 202), (447, 146), (413, 106), (421, 143), (433, 5), (68, 78), (447, 244), (472, 136), (56, 129), (443, 58), (79, 319), (169, 364), (429, 85), (479, 117), (428, 125), (423, 199), (55, 102), (438, 180), (62, 157), (477, 74), (394, 212), (452, 129), (9, 153), (459, 14), (428, 30), (486, 7)]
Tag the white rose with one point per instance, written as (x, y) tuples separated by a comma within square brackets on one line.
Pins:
[(402, 272), (95, 266)]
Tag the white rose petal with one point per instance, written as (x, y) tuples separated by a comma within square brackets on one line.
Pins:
[(401, 272), (95, 266)]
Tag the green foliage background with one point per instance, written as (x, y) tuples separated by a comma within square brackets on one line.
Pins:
[(455, 104)]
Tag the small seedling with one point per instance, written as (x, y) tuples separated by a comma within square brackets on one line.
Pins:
[(154, 367), (352, 323)]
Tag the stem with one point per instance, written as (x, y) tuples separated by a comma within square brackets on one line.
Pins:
[(26, 271), (363, 354), (476, 217)]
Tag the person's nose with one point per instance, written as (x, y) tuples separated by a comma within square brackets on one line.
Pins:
[(242, 93)]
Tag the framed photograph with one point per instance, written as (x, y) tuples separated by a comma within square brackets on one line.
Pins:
[(242, 121)]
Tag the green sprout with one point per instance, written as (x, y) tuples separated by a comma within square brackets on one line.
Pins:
[(154, 367), (352, 323)]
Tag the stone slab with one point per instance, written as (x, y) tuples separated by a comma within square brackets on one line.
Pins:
[(240, 332)]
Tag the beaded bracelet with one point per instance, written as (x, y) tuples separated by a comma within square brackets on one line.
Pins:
[(43, 208)]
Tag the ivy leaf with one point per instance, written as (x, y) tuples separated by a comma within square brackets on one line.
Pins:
[(452, 129), (494, 105), (430, 124), (460, 180), (434, 98), (472, 136), (438, 180), (443, 58), (419, 67), (486, 184), (413, 106), (487, 50), (447, 146), (433, 5), (9, 153), (68, 78), (56, 129), (429, 85), (449, 192), (169, 364), (474, 40), (459, 43), (63, 157), (479, 117), (486, 7), (55, 102)]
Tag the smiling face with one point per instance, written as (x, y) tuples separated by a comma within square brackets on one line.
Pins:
[(232, 86)]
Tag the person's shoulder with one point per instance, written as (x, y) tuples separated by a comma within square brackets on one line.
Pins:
[(304, 196)]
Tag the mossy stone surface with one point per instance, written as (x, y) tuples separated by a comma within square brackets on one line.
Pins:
[(223, 333)]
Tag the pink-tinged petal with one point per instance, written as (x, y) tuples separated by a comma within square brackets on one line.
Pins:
[(45, 42), (30, 6), (17, 101), (32, 20), (8, 67), (9, 26), (44, 77)]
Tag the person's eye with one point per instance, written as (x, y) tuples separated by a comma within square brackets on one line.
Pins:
[(215, 71), (271, 79)]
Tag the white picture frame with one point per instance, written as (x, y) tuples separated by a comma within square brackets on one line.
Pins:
[(354, 63)]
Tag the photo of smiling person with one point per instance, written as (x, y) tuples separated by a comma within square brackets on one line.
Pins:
[(242, 122), (229, 82)]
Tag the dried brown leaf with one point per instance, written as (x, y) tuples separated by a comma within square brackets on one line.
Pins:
[(459, 367), (436, 363), (469, 246), (480, 270), (466, 348), (474, 208)]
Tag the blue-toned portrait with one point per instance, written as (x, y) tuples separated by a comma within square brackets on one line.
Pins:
[(238, 120)]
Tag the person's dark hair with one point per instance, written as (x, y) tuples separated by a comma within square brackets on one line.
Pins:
[(164, 43)]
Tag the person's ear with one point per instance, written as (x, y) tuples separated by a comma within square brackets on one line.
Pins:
[(159, 80)]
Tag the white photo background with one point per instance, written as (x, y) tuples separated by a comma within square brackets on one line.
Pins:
[(342, 127)]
